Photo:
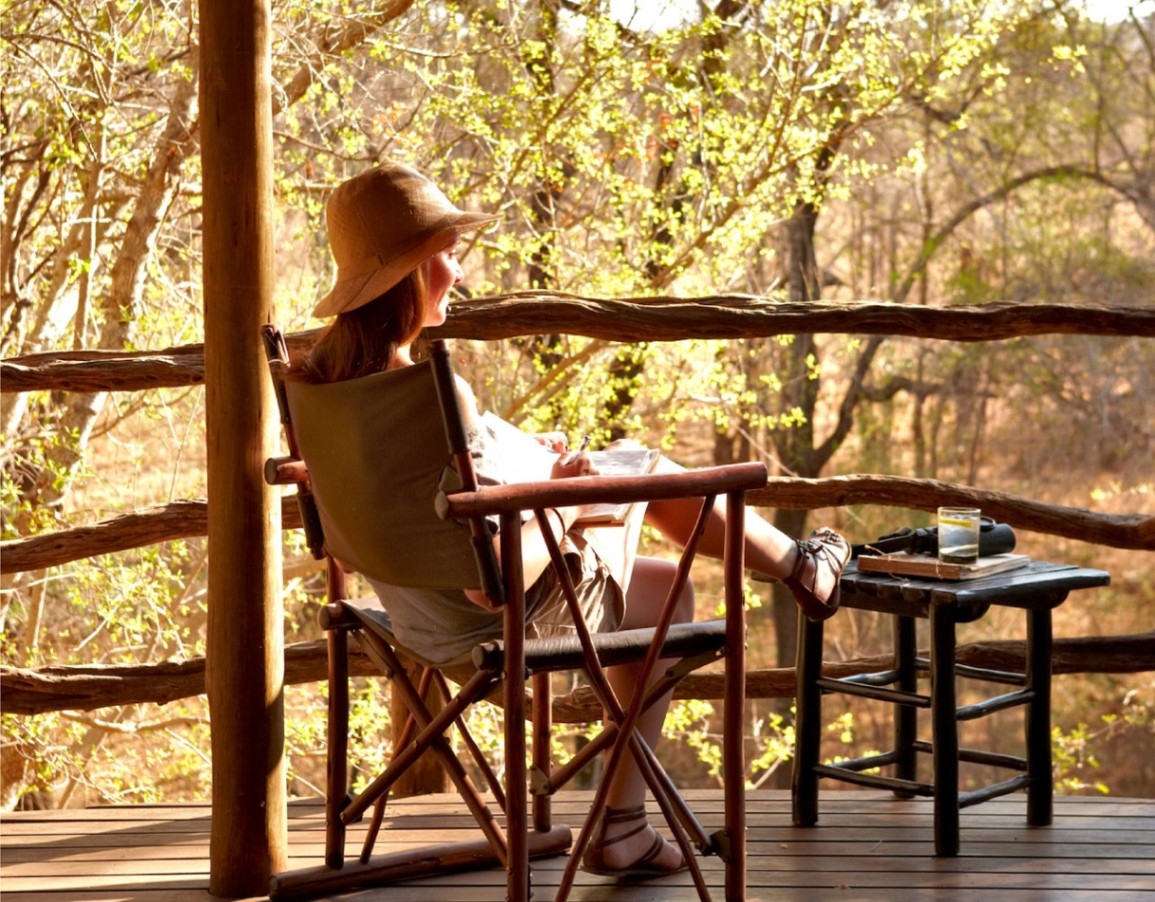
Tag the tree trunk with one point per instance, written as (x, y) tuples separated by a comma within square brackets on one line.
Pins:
[(122, 303)]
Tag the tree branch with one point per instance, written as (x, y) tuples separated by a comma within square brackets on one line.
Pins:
[(933, 243)]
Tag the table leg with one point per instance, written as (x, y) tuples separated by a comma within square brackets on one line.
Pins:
[(944, 726), (1040, 790), (905, 716), (807, 722)]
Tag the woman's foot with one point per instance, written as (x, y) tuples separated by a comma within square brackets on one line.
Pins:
[(818, 564), (629, 847)]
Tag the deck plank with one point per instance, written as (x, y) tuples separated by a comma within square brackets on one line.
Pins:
[(866, 846)]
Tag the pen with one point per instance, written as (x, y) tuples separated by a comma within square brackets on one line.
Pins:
[(572, 455)]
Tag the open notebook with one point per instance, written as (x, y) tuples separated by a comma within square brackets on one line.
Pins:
[(523, 458)]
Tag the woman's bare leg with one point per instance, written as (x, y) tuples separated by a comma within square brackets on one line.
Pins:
[(768, 549), (649, 588)]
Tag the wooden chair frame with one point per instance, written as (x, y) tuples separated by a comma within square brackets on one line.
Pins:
[(528, 830)]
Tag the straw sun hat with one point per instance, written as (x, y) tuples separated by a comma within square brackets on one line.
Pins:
[(383, 224)]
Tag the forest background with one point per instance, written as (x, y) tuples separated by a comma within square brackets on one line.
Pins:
[(925, 153)]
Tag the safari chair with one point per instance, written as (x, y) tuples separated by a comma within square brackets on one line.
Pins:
[(387, 488)]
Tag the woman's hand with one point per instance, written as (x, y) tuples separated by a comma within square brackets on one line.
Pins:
[(555, 441), (571, 464), (480, 599)]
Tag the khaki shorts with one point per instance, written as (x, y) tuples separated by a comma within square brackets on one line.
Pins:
[(599, 596)]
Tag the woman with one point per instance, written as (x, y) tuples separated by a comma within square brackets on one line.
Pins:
[(393, 236)]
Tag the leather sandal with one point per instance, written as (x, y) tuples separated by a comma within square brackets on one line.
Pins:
[(824, 548), (643, 868)]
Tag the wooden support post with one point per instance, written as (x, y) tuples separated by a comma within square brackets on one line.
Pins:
[(245, 669)]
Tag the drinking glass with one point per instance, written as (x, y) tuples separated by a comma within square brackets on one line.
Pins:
[(958, 534)]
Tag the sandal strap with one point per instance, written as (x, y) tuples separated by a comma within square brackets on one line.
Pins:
[(623, 816), (813, 548), (656, 848), (795, 577)]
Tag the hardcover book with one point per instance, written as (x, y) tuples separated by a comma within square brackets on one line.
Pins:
[(903, 563)]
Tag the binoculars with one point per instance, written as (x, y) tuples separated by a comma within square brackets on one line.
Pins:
[(994, 538)]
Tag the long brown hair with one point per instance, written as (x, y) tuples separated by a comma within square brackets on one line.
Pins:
[(364, 340)]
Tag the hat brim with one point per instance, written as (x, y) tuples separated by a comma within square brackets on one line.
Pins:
[(355, 291)]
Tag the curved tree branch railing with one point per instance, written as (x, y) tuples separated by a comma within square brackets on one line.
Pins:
[(189, 519), (743, 316), (635, 320), (87, 688)]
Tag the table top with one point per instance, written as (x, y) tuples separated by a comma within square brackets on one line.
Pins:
[(1037, 586)]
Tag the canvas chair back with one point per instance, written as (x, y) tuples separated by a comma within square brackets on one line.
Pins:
[(377, 456)]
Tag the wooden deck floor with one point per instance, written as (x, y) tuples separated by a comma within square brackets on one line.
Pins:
[(867, 846)]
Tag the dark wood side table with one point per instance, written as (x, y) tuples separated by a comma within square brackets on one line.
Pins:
[(1036, 589)]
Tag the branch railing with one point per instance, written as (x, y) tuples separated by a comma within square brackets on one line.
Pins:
[(26, 692), (645, 319), (189, 519), (93, 686)]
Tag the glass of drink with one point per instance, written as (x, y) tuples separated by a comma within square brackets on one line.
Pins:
[(958, 534)]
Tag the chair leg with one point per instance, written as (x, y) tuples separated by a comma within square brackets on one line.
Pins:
[(807, 721), (401, 740), (516, 815), (311, 883), (374, 829), (432, 738), (734, 711), (944, 726), (337, 768), (426, 774), (479, 760)]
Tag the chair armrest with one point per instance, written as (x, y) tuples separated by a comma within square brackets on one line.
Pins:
[(287, 470), (599, 489)]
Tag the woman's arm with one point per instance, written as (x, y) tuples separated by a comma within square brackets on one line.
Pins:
[(534, 552)]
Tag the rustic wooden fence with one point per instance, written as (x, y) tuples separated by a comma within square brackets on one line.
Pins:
[(80, 687)]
